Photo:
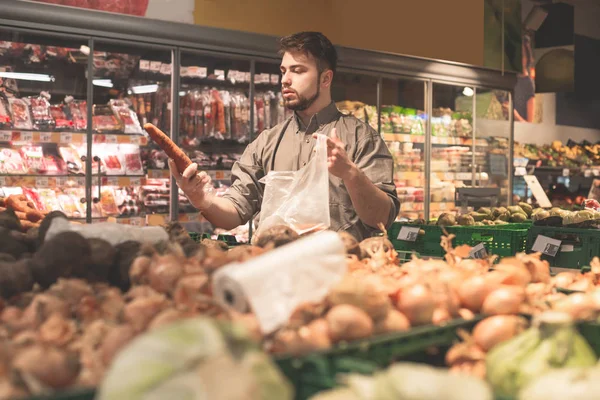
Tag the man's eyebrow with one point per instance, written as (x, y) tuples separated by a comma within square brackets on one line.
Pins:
[(293, 66)]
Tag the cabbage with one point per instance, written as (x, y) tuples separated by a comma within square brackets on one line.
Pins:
[(552, 342), (194, 359)]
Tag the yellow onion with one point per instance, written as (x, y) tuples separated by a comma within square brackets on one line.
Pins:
[(497, 329), (417, 303), (504, 300)]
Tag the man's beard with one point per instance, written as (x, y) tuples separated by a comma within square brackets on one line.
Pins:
[(302, 103)]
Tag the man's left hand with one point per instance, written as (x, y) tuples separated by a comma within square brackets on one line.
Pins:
[(337, 160)]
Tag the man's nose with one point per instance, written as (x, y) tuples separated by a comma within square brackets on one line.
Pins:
[(286, 80)]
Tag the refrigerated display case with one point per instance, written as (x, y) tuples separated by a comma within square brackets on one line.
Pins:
[(214, 91)]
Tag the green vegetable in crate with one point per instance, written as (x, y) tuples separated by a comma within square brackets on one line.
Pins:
[(194, 359), (540, 215), (557, 212), (486, 211), (551, 342), (465, 220), (518, 217), (500, 222), (498, 211), (569, 383), (446, 219), (478, 217), (527, 208), (516, 210), (504, 217), (409, 381)]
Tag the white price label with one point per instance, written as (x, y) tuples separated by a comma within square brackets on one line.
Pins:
[(587, 173), (66, 138), (202, 72), (61, 181), (111, 139), (220, 74), (27, 136), (135, 221), (478, 251), (566, 172), (41, 181), (409, 233), (442, 206), (544, 244), (5, 136), (274, 79), (232, 75), (247, 77), (567, 248), (112, 181), (264, 78), (135, 139), (144, 65), (520, 171), (45, 137), (155, 66), (135, 181), (2, 181), (165, 69)]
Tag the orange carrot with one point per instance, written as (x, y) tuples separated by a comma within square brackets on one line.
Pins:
[(182, 161)]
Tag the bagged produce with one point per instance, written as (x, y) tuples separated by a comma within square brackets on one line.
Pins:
[(552, 342), (194, 359), (568, 383)]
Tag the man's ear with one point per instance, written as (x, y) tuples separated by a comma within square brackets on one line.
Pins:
[(327, 78)]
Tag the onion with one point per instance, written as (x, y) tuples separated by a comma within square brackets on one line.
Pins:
[(539, 269), (466, 314), (138, 272), (417, 303), (53, 367), (394, 322), (57, 330), (369, 294), (518, 276), (347, 322), (582, 285), (563, 279), (579, 306), (473, 291), (115, 340), (164, 273), (505, 300), (440, 315), (316, 334), (464, 352), (497, 329)]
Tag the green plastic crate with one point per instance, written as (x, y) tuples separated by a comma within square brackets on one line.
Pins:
[(229, 239), (426, 245), (502, 240), (585, 242), (317, 371), (80, 394)]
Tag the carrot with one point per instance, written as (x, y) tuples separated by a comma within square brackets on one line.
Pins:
[(182, 161), (16, 203), (20, 215)]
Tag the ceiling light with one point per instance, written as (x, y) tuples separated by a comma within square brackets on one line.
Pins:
[(144, 89), (467, 91), (85, 50), (103, 82), (27, 77)]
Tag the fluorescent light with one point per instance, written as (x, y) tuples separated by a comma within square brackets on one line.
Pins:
[(103, 82), (182, 93), (85, 50), (27, 77), (467, 91), (144, 89)]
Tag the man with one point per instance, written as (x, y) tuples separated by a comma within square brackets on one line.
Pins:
[(361, 189)]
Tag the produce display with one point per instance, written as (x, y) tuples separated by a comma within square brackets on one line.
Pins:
[(488, 216), (556, 154)]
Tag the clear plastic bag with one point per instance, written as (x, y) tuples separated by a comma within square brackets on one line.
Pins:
[(299, 199)]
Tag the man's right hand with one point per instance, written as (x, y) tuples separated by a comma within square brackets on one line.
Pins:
[(196, 186)]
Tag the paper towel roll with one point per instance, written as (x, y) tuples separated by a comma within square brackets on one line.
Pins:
[(274, 284)]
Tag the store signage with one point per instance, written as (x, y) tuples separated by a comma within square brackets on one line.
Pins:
[(498, 165), (409, 233), (537, 191), (548, 246), (478, 251)]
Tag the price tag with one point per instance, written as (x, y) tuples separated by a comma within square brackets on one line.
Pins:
[(45, 137), (449, 176), (41, 181), (2, 181), (5, 136), (202, 72), (61, 181), (135, 181), (409, 233), (112, 139), (567, 248), (135, 221), (274, 79), (520, 171), (566, 172), (546, 245), (246, 76), (537, 191), (144, 65), (442, 206), (66, 137), (135, 139), (165, 69), (478, 251), (27, 136), (220, 74), (112, 181), (183, 72), (155, 66), (587, 173)]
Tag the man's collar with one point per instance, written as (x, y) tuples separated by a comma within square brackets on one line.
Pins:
[(325, 116)]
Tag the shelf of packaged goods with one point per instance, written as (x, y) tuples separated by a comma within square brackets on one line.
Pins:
[(68, 180), (163, 219), (419, 206), (22, 137), (442, 176), (450, 141), (215, 175)]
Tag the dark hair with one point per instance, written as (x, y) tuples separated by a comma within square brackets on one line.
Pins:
[(314, 43)]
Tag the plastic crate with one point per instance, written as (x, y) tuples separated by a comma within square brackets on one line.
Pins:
[(585, 245), (502, 240), (317, 371), (80, 394), (426, 245), (229, 239)]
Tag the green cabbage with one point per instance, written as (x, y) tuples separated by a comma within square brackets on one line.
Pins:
[(194, 359), (552, 342)]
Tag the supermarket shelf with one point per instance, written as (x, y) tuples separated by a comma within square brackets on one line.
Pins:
[(215, 175), (451, 141), (443, 176), (68, 180), (69, 138)]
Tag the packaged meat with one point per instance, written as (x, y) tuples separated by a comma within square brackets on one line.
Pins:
[(77, 113), (72, 159), (82, 151), (5, 119), (133, 159), (112, 160), (104, 120), (48, 200), (128, 117), (108, 202), (33, 196), (33, 156), (54, 163), (70, 205), (11, 162), (20, 113), (61, 119), (76, 194), (40, 111)]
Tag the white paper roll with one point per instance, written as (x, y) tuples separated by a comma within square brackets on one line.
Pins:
[(275, 284)]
